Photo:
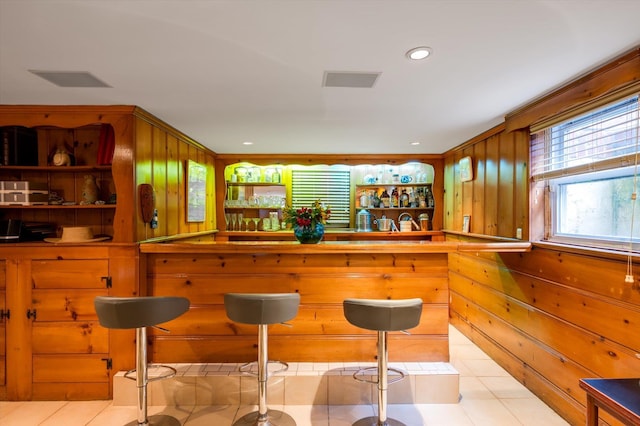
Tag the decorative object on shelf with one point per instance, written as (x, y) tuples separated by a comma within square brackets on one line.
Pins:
[(466, 223), (89, 190), (77, 234), (61, 157), (466, 170), (308, 222), (106, 145)]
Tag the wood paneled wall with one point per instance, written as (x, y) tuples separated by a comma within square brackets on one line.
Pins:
[(556, 314), (161, 156), (319, 332), (496, 198), (550, 317)]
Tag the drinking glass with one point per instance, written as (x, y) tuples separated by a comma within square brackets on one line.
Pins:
[(227, 216), (240, 221), (256, 221), (234, 218), (247, 220)]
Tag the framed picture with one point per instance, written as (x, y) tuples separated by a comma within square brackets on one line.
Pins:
[(466, 169), (466, 223), (196, 191)]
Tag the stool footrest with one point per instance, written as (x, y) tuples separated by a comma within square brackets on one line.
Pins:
[(246, 368), (169, 374), (364, 371)]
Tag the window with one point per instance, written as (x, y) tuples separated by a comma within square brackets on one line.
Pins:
[(588, 165), (329, 184)]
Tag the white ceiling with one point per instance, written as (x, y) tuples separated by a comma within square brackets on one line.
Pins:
[(225, 72)]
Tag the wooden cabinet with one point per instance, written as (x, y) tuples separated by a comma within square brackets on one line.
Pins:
[(378, 199), (55, 347), (253, 201)]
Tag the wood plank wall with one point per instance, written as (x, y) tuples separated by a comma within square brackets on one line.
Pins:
[(550, 317), (554, 315), (161, 157), (319, 332), (497, 198)]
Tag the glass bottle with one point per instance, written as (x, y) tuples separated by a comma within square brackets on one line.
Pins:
[(385, 199), (394, 197), (404, 199)]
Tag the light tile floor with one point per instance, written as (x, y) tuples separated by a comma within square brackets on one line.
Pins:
[(489, 396)]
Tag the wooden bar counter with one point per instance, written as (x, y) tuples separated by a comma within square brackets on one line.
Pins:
[(323, 274)]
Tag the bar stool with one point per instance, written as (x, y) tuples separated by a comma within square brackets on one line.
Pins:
[(140, 313), (262, 310), (382, 316)]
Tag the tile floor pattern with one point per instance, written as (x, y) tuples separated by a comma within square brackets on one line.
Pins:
[(489, 396)]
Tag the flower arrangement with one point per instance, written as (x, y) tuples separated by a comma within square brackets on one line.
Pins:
[(307, 217)]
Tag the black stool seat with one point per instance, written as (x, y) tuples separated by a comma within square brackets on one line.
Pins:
[(134, 312), (382, 316)]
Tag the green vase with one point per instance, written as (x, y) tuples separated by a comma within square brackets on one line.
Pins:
[(309, 234)]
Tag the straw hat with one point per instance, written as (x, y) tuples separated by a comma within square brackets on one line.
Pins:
[(76, 234)]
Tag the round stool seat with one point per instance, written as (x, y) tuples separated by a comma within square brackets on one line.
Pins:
[(136, 312), (383, 315), (261, 308)]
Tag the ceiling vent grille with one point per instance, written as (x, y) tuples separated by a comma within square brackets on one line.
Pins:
[(350, 79), (71, 78)]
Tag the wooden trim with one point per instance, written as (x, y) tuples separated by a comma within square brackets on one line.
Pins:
[(287, 247), (588, 251), (615, 76), (476, 139), (308, 159)]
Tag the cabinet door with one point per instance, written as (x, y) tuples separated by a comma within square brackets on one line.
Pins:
[(3, 330), (69, 345)]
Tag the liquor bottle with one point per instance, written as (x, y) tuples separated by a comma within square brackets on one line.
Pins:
[(394, 197), (404, 199), (385, 199)]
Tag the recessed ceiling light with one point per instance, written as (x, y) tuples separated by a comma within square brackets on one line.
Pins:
[(247, 143), (418, 53)]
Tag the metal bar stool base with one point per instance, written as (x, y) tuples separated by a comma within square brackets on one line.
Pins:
[(373, 421), (157, 420), (274, 418)]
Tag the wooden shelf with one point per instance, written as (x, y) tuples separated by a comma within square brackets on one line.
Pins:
[(62, 169), (251, 208), (254, 184), (56, 207), (389, 185), (395, 209)]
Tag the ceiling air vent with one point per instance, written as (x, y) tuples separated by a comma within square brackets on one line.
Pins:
[(71, 78), (350, 79)]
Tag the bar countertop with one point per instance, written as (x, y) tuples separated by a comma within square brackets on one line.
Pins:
[(294, 247)]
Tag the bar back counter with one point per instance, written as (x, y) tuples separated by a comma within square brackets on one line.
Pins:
[(324, 275)]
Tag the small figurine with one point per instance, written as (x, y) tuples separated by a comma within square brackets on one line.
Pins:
[(89, 190)]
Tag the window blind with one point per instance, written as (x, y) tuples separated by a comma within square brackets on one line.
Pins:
[(331, 187), (606, 138)]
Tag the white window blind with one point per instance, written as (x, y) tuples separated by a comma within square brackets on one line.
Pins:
[(329, 186), (603, 139)]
